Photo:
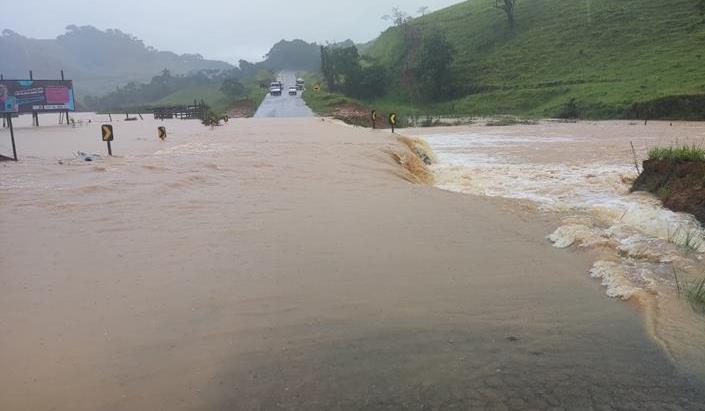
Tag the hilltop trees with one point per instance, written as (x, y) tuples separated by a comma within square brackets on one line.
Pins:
[(432, 67), (345, 71), (293, 55), (339, 65), (233, 88), (508, 7)]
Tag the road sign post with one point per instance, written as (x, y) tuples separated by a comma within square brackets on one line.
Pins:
[(393, 120), (161, 132), (12, 136), (108, 137)]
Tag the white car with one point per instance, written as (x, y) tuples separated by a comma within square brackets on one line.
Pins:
[(275, 91), (293, 91)]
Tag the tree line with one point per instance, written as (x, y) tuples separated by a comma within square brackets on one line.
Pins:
[(139, 95), (423, 69)]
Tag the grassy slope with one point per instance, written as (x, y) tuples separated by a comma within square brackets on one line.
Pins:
[(218, 101), (606, 56), (323, 102)]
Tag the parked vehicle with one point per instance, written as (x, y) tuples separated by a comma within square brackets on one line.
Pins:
[(293, 91)]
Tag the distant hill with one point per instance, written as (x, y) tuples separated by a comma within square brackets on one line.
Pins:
[(98, 61), (607, 55), (293, 55), (297, 55)]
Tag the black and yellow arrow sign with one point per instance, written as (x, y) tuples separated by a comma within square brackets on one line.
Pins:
[(317, 88), (161, 132), (107, 132), (393, 119), (374, 115)]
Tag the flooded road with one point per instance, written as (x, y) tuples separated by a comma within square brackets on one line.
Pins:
[(582, 173), (290, 264), (284, 106)]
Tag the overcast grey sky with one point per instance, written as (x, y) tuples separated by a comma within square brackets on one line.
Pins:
[(220, 29)]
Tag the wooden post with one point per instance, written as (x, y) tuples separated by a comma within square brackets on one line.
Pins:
[(110, 117), (4, 120), (31, 75), (12, 136)]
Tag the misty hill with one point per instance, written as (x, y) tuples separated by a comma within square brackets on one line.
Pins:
[(167, 88), (98, 61), (607, 55), (294, 55), (297, 55)]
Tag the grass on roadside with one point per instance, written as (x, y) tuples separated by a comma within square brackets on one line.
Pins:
[(678, 153), (693, 292)]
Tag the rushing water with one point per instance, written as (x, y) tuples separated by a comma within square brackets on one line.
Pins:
[(583, 174)]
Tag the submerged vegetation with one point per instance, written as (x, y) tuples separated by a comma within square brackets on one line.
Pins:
[(690, 241), (693, 292), (504, 121), (678, 153)]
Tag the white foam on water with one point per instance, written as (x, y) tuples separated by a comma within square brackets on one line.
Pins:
[(615, 278), (605, 214)]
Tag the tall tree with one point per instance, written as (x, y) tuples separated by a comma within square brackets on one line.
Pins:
[(327, 67), (432, 67), (508, 6)]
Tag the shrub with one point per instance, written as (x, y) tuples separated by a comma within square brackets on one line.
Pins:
[(569, 110)]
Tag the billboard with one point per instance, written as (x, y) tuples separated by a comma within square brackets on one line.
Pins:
[(41, 96)]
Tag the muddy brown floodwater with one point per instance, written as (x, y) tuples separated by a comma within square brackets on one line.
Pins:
[(289, 264)]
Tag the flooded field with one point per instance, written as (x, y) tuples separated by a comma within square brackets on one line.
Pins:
[(583, 173)]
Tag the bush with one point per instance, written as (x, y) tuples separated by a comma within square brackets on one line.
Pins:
[(569, 110), (211, 119)]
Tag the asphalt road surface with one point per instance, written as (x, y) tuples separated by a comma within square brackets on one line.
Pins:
[(284, 106)]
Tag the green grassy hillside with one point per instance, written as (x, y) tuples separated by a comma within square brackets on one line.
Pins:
[(211, 94), (606, 54)]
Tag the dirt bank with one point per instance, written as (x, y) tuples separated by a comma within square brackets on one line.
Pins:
[(680, 185), (243, 109)]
